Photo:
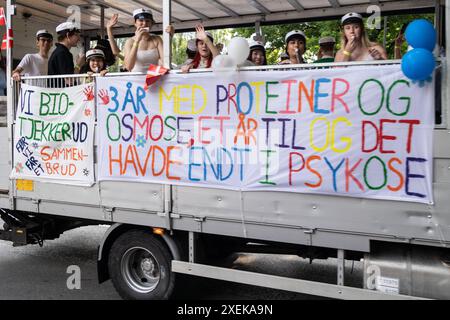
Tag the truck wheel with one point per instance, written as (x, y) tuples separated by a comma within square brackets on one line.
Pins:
[(140, 267)]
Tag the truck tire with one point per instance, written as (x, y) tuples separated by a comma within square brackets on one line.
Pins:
[(140, 267)]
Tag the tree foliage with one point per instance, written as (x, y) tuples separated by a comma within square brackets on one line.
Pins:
[(274, 36)]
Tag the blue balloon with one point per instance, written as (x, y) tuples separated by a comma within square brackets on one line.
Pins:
[(418, 64), (420, 34)]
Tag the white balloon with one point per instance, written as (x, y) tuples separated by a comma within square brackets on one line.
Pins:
[(223, 66), (223, 63), (238, 49)]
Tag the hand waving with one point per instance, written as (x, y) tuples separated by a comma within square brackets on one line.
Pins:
[(113, 21), (201, 34)]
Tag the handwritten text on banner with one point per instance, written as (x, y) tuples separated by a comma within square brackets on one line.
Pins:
[(362, 132), (54, 134)]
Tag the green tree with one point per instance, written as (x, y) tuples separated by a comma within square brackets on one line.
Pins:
[(274, 34)]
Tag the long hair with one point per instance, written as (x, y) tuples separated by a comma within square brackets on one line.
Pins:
[(198, 58), (364, 38), (249, 58)]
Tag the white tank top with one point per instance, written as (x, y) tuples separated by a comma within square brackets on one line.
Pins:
[(144, 58)]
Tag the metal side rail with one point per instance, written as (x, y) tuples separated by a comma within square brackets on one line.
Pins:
[(283, 283)]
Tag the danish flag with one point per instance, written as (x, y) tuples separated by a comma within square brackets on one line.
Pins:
[(8, 40), (2, 17), (153, 75)]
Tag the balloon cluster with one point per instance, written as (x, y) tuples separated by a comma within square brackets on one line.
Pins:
[(238, 51), (418, 64)]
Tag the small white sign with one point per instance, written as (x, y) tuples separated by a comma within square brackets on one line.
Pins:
[(388, 290), (387, 285)]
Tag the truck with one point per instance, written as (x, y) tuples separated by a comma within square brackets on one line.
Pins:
[(174, 217)]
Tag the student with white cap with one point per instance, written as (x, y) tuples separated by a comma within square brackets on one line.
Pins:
[(61, 60), (295, 47), (326, 50), (206, 50), (95, 62), (355, 45), (36, 64), (257, 53), (144, 48)]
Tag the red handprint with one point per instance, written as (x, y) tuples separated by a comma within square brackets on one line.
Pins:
[(89, 93), (103, 94)]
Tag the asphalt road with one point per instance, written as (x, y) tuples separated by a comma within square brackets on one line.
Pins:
[(35, 273)]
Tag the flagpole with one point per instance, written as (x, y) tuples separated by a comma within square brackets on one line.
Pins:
[(167, 43), (10, 12), (167, 39)]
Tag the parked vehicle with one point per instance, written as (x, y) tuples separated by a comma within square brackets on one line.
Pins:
[(159, 229)]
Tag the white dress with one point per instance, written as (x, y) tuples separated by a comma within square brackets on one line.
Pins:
[(144, 58)]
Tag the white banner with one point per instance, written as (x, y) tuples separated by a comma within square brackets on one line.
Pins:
[(54, 135), (361, 131)]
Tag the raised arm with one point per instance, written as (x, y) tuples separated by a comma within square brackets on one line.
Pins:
[(112, 42), (201, 35)]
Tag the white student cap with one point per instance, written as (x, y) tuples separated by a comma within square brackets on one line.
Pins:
[(67, 26), (294, 33), (142, 14), (256, 45), (191, 46), (95, 53), (44, 34), (351, 17), (327, 40)]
